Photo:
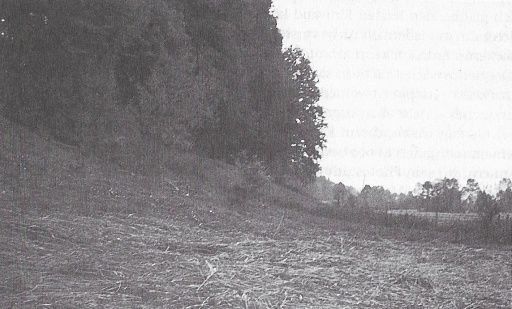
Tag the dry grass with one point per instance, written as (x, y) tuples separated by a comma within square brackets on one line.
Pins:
[(77, 233), (129, 261)]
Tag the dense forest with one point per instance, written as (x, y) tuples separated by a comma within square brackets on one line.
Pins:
[(132, 80)]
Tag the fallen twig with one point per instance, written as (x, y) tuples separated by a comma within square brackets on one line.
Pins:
[(213, 270)]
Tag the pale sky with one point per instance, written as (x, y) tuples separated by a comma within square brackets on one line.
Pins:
[(412, 90)]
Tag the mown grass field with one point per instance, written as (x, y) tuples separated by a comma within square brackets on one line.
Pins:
[(119, 261), (79, 233)]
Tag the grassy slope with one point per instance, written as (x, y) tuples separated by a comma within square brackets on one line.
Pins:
[(79, 233)]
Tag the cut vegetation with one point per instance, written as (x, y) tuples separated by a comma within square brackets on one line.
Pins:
[(154, 154), (79, 233)]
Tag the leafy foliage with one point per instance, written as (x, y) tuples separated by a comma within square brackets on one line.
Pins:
[(446, 195), (375, 198), (470, 194), (504, 196), (144, 78), (340, 193), (308, 138)]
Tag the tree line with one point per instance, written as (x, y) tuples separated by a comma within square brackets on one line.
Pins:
[(467, 213), (442, 195), (127, 79)]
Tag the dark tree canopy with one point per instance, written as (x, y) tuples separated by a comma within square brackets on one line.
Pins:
[(308, 138), (138, 76)]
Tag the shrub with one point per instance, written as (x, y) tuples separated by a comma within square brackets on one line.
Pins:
[(255, 173), (254, 176)]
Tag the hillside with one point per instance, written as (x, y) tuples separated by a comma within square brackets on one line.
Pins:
[(152, 155), (128, 81), (77, 232)]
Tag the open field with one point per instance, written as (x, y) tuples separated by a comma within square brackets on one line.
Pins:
[(77, 233), (442, 216), (445, 218), (123, 261)]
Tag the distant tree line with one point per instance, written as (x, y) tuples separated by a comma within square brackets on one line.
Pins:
[(466, 212), (128, 78), (441, 196)]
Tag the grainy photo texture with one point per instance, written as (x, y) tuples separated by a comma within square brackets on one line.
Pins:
[(255, 154)]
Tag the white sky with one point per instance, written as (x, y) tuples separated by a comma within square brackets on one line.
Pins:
[(412, 90)]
